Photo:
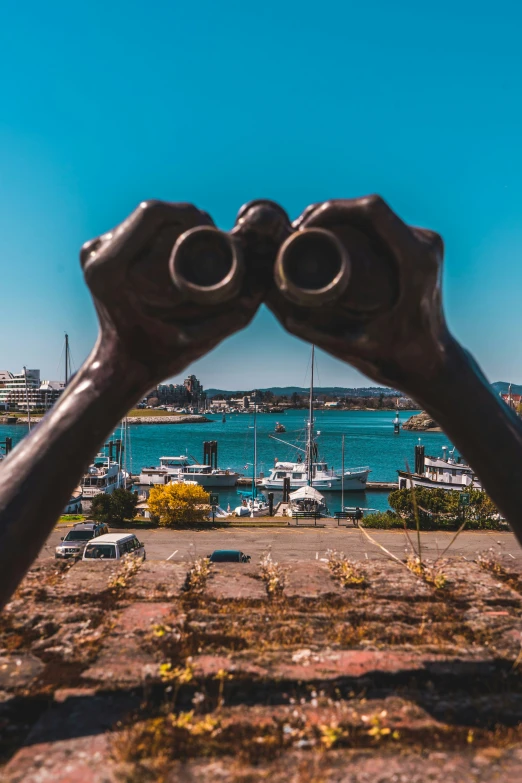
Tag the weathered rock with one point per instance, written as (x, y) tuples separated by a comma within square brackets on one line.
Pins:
[(421, 422)]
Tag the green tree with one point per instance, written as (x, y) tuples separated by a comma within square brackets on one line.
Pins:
[(114, 509), (123, 506), (101, 508), (439, 508)]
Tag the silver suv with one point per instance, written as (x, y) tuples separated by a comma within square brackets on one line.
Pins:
[(76, 539)]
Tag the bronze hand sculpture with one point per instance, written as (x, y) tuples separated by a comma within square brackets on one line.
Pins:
[(169, 286), (377, 304), (149, 329)]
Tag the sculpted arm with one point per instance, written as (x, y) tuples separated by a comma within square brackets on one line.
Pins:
[(150, 329), (374, 300)]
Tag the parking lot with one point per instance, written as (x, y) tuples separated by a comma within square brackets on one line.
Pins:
[(289, 544)]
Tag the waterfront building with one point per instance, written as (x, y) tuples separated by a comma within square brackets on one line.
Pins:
[(18, 391), (190, 392)]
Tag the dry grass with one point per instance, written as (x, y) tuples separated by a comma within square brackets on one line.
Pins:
[(197, 576), (345, 571), (272, 575)]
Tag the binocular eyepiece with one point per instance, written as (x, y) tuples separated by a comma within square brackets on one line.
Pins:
[(206, 265), (312, 266)]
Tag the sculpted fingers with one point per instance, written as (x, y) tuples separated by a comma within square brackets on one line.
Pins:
[(146, 237)]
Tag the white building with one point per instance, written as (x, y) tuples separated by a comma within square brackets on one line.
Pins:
[(18, 391)]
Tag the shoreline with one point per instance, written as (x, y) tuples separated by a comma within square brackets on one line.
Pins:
[(188, 419)]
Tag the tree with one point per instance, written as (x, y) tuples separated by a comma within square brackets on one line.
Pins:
[(123, 506), (178, 504), (101, 508), (113, 509), (439, 507)]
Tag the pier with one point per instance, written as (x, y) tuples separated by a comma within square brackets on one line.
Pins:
[(373, 486)]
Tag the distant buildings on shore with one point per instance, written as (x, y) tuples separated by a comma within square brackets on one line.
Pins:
[(23, 390), (190, 393)]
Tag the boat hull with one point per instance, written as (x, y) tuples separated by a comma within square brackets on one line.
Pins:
[(213, 481), (424, 482)]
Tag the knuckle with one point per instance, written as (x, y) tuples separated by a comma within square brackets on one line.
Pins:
[(88, 248)]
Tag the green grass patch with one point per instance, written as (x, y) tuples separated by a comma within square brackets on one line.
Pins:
[(67, 518)]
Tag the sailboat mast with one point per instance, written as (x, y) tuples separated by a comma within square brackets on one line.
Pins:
[(342, 479), (27, 401), (311, 423), (66, 358), (254, 488)]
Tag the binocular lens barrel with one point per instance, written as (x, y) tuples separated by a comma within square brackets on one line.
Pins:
[(312, 267), (206, 265)]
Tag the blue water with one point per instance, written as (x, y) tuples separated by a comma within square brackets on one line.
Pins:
[(369, 440)]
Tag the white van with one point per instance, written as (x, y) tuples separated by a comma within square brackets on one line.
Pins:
[(113, 546)]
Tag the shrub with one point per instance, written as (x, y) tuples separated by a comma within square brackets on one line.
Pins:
[(179, 504), (114, 509), (440, 509), (385, 520)]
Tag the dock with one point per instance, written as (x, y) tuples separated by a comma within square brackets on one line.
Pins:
[(371, 486)]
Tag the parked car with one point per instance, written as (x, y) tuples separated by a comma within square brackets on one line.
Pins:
[(114, 546), (73, 544), (228, 556)]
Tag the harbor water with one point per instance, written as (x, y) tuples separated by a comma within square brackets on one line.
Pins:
[(369, 440)]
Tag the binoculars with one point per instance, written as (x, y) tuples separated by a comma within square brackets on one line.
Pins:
[(310, 265)]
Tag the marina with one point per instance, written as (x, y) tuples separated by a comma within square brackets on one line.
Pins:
[(369, 439)]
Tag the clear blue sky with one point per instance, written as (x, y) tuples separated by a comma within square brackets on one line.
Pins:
[(104, 104)]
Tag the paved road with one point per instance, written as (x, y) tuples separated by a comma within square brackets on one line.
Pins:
[(291, 544)]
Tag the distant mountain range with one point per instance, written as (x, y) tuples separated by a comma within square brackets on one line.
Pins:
[(340, 391), (502, 387)]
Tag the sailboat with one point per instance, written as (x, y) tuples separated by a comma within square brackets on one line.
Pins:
[(253, 504), (311, 471)]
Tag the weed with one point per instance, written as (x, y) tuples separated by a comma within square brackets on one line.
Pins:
[(431, 574), (197, 576), (330, 735), (377, 728), (120, 580), (346, 572), (272, 575), (489, 561)]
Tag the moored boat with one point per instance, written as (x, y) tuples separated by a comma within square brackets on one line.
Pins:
[(307, 500), (446, 472), (309, 470)]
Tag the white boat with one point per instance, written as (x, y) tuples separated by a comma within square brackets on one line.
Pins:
[(307, 499), (107, 474), (446, 472), (309, 470), (253, 504), (322, 477), (253, 507), (184, 468), (104, 475)]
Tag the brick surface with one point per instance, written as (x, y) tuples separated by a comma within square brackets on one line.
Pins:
[(158, 581), (310, 580), (235, 581), (275, 684), (18, 670), (390, 581)]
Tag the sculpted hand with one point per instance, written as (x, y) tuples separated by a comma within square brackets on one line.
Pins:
[(151, 323), (383, 313), (362, 285)]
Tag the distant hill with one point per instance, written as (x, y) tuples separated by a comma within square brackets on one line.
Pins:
[(502, 387), (340, 391)]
